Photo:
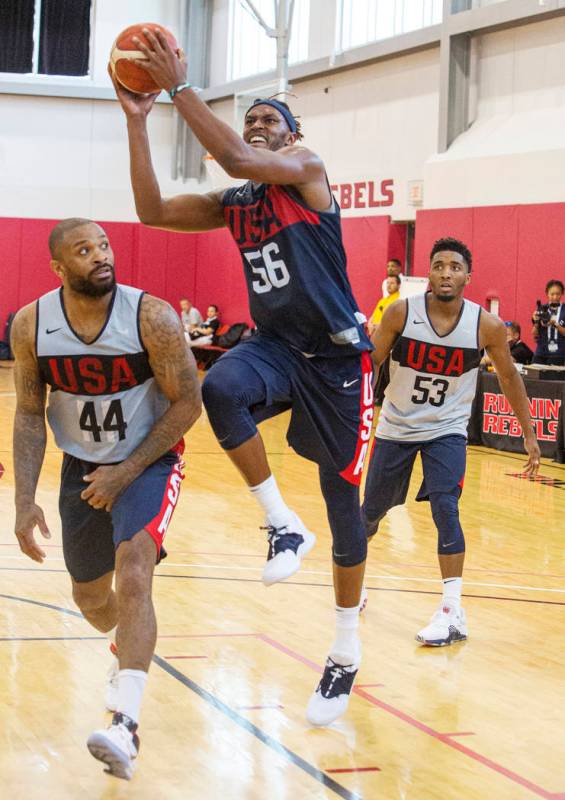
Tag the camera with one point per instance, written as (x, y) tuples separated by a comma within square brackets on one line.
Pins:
[(545, 312)]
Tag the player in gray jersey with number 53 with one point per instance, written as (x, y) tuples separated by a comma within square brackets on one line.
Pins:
[(435, 342), (123, 390)]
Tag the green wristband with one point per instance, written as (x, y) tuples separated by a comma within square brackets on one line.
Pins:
[(178, 89)]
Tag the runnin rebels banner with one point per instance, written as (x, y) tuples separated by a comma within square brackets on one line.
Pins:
[(493, 423)]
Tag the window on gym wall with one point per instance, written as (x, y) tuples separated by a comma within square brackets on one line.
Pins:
[(45, 37), (251, 50), (363, 21)]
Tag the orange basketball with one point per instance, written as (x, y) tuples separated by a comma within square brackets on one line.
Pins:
[(124, 54)]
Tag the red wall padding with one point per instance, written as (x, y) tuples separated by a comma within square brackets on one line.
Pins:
[(516, 250), (204, 267)]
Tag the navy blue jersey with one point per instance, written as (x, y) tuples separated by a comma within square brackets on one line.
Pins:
[(295, 268)]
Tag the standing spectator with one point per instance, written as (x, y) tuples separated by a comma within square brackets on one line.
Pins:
[(204, 333), (549, 327), (190, 315), (392, 293), (393, 270), (519, 350)]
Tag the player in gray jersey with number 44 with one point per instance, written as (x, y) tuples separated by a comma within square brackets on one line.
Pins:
[(123, 390), (435, 342)]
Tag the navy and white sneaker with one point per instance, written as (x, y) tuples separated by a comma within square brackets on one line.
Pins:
[(287, 546), (448, 625), (331, 698), (116, 746)]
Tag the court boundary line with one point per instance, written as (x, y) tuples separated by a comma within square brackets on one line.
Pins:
[(322, 777), (277, 747), (387, 589)]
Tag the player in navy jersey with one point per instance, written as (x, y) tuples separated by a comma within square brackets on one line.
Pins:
[(435, 341), (121, 389), (311, 353)]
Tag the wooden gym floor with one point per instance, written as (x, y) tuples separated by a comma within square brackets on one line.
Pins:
[(223, 716)]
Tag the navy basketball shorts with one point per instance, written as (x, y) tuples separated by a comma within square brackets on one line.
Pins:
[(91, 536), (331, 400), (390, 469)]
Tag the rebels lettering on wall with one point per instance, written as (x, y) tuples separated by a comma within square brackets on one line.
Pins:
[(364, 194)]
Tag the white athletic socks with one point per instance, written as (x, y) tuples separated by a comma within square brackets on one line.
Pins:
[(452, 592), (270, 499), (131, 684), (346, 648)]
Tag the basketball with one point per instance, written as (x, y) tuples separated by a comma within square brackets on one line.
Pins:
[(124, 54)]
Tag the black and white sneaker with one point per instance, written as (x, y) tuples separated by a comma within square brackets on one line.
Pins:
[(116, 746), (287, 546), (331, 698)]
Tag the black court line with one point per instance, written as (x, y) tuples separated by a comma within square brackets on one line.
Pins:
[(42, 605), (267, 740), (304, 583)]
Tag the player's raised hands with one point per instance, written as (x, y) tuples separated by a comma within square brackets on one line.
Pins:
[(162, 62), (133, 104), (26, 521)]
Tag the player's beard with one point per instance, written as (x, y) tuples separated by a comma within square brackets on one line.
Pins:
[(446, 298), (88, 288)]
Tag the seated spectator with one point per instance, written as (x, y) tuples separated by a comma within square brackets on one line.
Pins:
[(190, 315), (203, 334), (393, 283), (519, 350)]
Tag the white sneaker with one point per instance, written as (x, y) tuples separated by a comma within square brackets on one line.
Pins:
[(116, 746), (111, 693), (287, 546), (331, 698), (447, 625), (364, 599)]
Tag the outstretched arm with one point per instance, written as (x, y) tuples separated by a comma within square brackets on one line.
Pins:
[(175, 372), (30, 434), (493, 337), (293, 165), (189, 212)]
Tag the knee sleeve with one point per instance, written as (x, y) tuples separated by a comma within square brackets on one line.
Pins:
[(228, 392), (445, 511), (344, 515)]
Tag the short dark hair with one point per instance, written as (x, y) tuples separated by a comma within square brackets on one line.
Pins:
[(396, 278), (448, 243), (213, 305), (515, 326), (395, 261), (297, 123), (554, 283), (61, 229)]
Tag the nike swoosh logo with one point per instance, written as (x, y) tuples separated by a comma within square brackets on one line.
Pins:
[(418, 322), (347, 384), (53, 331)]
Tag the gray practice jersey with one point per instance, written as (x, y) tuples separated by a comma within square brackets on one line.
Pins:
[(433, 378), (103, 398)]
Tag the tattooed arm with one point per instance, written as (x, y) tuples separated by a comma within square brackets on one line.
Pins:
[(30, 434), (174, 369)]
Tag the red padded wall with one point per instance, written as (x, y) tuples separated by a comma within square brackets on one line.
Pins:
[(516, 250), (366, 241)]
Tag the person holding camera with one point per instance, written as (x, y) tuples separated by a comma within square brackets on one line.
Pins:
[(549, 326)]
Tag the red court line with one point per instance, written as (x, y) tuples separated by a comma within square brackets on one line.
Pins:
[(368, 685), (463, 733), (415, 723), (354, 769)]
